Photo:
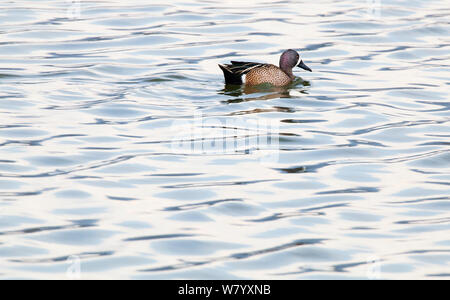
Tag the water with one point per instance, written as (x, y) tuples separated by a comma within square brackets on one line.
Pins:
[(344, 175)]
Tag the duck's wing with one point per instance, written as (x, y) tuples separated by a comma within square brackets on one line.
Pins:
[(243, 67), (233, 72)]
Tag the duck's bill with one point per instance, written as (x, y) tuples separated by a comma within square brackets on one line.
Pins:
[(303, 66)]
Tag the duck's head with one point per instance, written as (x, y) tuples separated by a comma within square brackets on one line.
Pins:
[(290, 59)]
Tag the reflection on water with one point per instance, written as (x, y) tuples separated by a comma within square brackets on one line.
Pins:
[(123, 155), (263, 92)]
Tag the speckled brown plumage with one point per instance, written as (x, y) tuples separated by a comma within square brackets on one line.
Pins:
[(267, 74)]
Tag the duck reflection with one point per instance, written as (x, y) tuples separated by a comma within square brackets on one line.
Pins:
[(265, 91)]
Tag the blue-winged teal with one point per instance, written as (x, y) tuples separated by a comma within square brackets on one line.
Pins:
[(257, 73)]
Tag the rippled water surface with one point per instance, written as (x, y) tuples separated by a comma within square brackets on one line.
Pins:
[(122, 150)]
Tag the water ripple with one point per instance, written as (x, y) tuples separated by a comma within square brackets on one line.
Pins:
[(121, 147)]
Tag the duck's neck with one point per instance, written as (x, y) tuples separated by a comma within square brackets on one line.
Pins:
[(286, 67), (288, 71)]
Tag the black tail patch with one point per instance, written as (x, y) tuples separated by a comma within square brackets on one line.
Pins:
[(230, 77), (233, 73)]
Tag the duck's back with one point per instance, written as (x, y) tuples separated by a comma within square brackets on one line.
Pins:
[(267, 74)]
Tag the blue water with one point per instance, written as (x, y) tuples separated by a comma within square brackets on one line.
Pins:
[(124, 156)]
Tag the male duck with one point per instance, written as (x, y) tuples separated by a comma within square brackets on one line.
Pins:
[(257, 73)]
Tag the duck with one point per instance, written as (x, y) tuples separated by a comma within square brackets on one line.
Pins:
[(261, 73)]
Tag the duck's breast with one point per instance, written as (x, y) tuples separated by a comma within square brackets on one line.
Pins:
[(267, 74)]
